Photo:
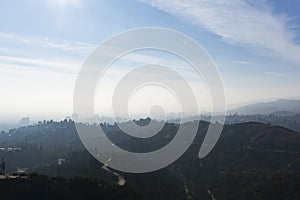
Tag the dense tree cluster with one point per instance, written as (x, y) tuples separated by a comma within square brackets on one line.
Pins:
[(40, 187)]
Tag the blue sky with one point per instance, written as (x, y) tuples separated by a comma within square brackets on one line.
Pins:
[(256, 45)]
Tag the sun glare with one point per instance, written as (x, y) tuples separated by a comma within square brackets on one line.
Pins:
[(64, 3)]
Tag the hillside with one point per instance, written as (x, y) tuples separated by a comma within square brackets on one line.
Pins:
[(248, 156)]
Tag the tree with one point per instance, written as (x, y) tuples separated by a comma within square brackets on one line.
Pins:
[(3, 165)]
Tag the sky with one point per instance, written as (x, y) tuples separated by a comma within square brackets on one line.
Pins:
[(43, 43)]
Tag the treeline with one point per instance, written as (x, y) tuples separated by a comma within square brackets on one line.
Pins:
[(40, 187), (289, 121)]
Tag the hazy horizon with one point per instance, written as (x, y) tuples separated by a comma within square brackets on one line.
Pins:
[(257, 53)]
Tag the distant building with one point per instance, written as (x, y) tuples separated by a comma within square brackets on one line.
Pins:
[(68, 118), (10, 149), (21, 170), (61, 161), (25, 121), (75, 117)]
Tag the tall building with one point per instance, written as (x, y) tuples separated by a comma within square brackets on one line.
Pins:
[(25, 121), (75, 117)]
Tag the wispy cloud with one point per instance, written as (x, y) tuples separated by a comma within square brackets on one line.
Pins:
[(42, 54), (242, 62), (65, 66), (47, 43), (140, 58), (238, 22), (276, 74)]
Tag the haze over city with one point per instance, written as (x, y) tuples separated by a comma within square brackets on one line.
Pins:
[(257, 53)]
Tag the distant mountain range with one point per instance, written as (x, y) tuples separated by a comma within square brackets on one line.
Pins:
[(282, 107)]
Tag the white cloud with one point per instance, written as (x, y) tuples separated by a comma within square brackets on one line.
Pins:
[(47, 43), (39, 64), (243, 62), (279, 75), (238, 22), (140, 58), (42, 54)]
